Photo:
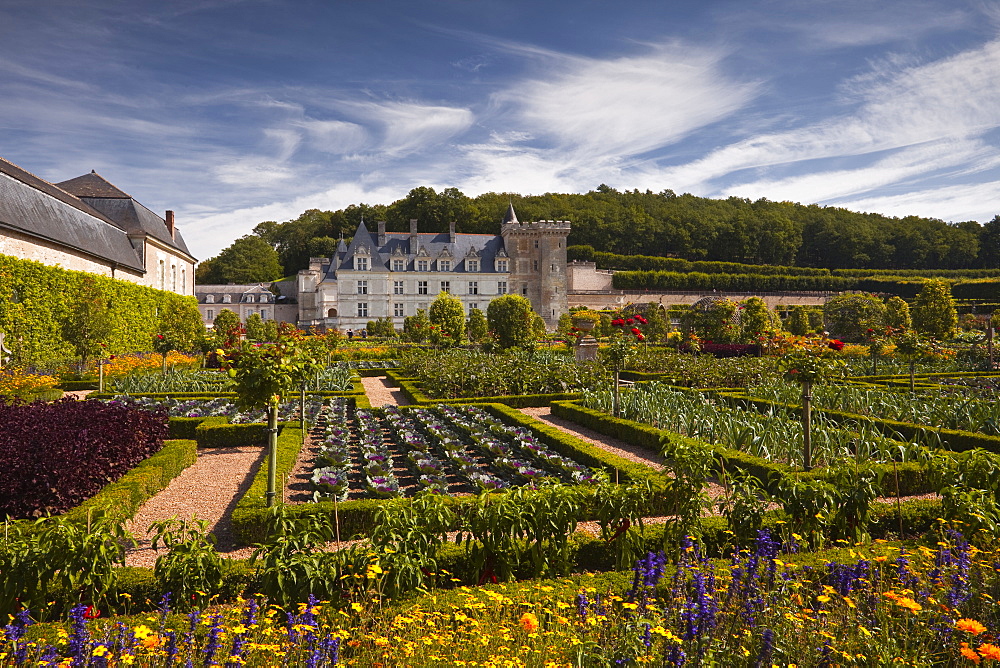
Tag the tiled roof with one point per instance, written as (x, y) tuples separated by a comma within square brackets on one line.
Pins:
[(92, 185)]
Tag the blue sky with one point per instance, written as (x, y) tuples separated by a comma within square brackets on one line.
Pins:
[(232, 112)]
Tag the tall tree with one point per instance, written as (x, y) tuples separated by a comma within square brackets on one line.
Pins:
[(249, 259), (934, 312), (448, 318), (88, 324), (511, 320)]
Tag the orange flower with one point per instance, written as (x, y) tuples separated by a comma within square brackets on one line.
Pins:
[(909, 604), (970, 625), (989, 651), (970, 654), (529, 622)]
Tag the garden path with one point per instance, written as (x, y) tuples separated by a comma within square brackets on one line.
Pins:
[(209, 490), (381, 392)]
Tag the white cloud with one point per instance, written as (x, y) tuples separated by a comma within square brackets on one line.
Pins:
[(974, 201), (407, 127)]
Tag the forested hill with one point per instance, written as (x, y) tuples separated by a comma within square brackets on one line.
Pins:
[(666, 224)]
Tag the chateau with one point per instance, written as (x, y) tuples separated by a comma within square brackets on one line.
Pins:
[(88, 224), (392, 275)]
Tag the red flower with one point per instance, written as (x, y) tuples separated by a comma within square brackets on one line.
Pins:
[(640, 337), (635, 330), (91, 612), (835, 344), (641, 320), (629, 321)]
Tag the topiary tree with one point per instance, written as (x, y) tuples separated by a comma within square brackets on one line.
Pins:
[(538, 328), (897, 313), (181, 322), (656, 322), (755, 319), (416, 327), (850, 316), (476, 327), (447, 320), (255, 328), (934, 311), (227, 327), (511, 320), (798, 321)]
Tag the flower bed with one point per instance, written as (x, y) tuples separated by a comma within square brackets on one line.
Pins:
[(56, 455)]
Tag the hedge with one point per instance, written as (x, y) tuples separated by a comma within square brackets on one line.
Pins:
[(415, 395), (250, 514), (36, 299)]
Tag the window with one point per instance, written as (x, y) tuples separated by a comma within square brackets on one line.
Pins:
[(444, 265), (362, 287), (421, 265), (173, 277), (227, 299), (163, 275), (552, 268), (501, 287), (472, 265), (399, 265), (524, 289), (248, 299), (263, 314), (332, 313), (501, 265), (397, 287), (445, 286), (362, 309), (536, 243), (361, 263), (397, 310), (210, 314), (473, 305), (209, 299), (183, 279), (421, 287), (536, 265), (473, 287)]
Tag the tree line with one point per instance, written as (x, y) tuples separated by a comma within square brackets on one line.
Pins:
[(624, 222)]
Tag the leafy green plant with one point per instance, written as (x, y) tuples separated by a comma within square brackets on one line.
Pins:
[(191, 569)]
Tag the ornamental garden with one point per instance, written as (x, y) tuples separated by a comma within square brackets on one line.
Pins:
[(720, 491)]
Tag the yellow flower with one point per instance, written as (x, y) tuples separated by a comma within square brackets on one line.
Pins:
[(970, 625), (909, 604)]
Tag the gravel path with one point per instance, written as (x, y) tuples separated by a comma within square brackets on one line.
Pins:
[(381, 392), (208, 490)]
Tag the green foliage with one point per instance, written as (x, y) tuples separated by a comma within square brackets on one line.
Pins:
[(249, 259), (477, 327), (89, 323), (511, 320), (798, 321), (382, 327), (416, 328), (255, 328), (934, 311), (656, 323), (756, 319), (191, 569), (897, 313), (447, 320), (717, 322), (850, 316)]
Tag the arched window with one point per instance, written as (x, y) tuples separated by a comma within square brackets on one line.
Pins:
[(209, 299), (332, 313), (227, 299)]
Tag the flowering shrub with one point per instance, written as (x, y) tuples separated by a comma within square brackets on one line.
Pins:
[(123, 365)]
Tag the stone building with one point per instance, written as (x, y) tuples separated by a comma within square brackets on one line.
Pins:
[(268, 300), (88, 224), (391, 275)]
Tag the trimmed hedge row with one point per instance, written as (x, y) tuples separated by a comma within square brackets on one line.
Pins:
[(913, 478), (250, 514), (414, 394)]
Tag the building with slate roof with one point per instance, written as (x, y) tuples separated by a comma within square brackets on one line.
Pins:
[(87, 224), (246, 300), (392, 275)]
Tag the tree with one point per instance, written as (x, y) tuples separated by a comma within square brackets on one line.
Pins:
[(798, 321), (538, 329), (249, 259), (756, 318), (181, 322), (897, 313), (255, 328), (934, 311), (227, 327), (448, 318), (656, 322), (511, 320), (850, 316), (476, 327), (416, 327), (89, 323)]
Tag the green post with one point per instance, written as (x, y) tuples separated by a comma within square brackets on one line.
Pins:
[(272, 453), (806, 426), (302, 411)]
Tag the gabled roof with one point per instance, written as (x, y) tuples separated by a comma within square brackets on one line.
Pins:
[(37, 208), (123, 210)]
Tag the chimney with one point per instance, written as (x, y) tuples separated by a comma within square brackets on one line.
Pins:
[(170, 224), (451, 232), (381, 233), (414, 241)]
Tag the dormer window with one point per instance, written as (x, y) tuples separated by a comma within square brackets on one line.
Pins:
[(249, 299), (444, 265), (421, 265), (472, 265), (501, 265), (399, 265), (227, 299), (360, 263), (209, 299), (263, 299)]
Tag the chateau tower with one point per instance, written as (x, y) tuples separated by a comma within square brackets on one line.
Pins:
[(538, 258)]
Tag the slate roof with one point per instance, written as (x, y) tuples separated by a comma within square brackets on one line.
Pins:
[(37, 208), (486, 246), (237, 292), (123, 209)]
